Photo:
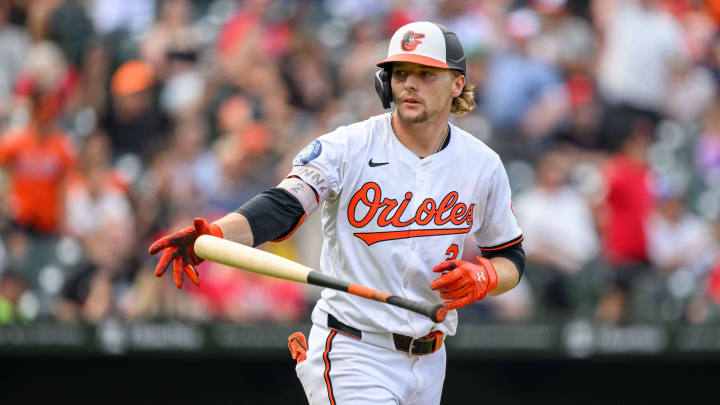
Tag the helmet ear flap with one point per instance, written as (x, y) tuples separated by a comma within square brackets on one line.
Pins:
[(382, 87)]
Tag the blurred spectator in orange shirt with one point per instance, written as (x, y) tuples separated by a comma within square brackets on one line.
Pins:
[(38, 159)]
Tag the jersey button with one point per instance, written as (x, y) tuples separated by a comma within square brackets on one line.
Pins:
[(412, 245)]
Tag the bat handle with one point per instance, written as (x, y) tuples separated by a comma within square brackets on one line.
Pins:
[(436, 312)]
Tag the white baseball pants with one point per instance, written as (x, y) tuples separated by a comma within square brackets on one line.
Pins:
[(342, 370)]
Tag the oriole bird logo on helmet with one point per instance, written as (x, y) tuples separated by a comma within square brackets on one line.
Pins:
[(411, 40)]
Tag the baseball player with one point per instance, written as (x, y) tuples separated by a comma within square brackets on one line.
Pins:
[(399, 193)]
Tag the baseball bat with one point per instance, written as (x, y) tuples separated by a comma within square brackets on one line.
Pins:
[(257, 261)]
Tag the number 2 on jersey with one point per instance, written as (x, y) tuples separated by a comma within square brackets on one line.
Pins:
[(452, 252)]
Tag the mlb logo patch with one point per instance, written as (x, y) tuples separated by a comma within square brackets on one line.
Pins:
[(308, 153)]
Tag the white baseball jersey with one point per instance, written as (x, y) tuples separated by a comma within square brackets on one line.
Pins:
[(389, 217)]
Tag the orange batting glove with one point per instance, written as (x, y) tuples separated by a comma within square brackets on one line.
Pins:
[(298, 346), (181, 251), (463, 282)]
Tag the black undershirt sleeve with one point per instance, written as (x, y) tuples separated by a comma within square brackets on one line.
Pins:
[(272, 214), (514, 253)]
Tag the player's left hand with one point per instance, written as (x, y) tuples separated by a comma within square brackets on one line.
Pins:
[(181, 250), (464, 282)]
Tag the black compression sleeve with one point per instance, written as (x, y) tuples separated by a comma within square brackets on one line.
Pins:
[(514, 253), (272, 214)]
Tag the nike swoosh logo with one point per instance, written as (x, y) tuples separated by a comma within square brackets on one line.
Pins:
[(373, 164)]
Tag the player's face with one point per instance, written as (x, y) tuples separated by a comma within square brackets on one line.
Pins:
[(422, 92)]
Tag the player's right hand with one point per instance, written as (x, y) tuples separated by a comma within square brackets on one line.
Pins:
[(181, 250), (298, 347)]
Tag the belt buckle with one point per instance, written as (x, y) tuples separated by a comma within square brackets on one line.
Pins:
[(410, 347), (435, 336)]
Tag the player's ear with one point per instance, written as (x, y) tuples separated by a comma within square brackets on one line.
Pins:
[(458, 84)]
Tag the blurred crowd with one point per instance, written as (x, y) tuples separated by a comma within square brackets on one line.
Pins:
[(124, 120)]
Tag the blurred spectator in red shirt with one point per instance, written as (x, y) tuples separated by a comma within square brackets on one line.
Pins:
[(624, 215), (628, 202)]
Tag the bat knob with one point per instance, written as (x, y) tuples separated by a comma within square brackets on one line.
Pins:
[(439, 313)]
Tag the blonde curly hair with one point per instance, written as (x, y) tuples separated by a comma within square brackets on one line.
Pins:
[(465, 102)]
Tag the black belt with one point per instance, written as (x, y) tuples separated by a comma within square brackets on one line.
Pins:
[(423, 345)]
